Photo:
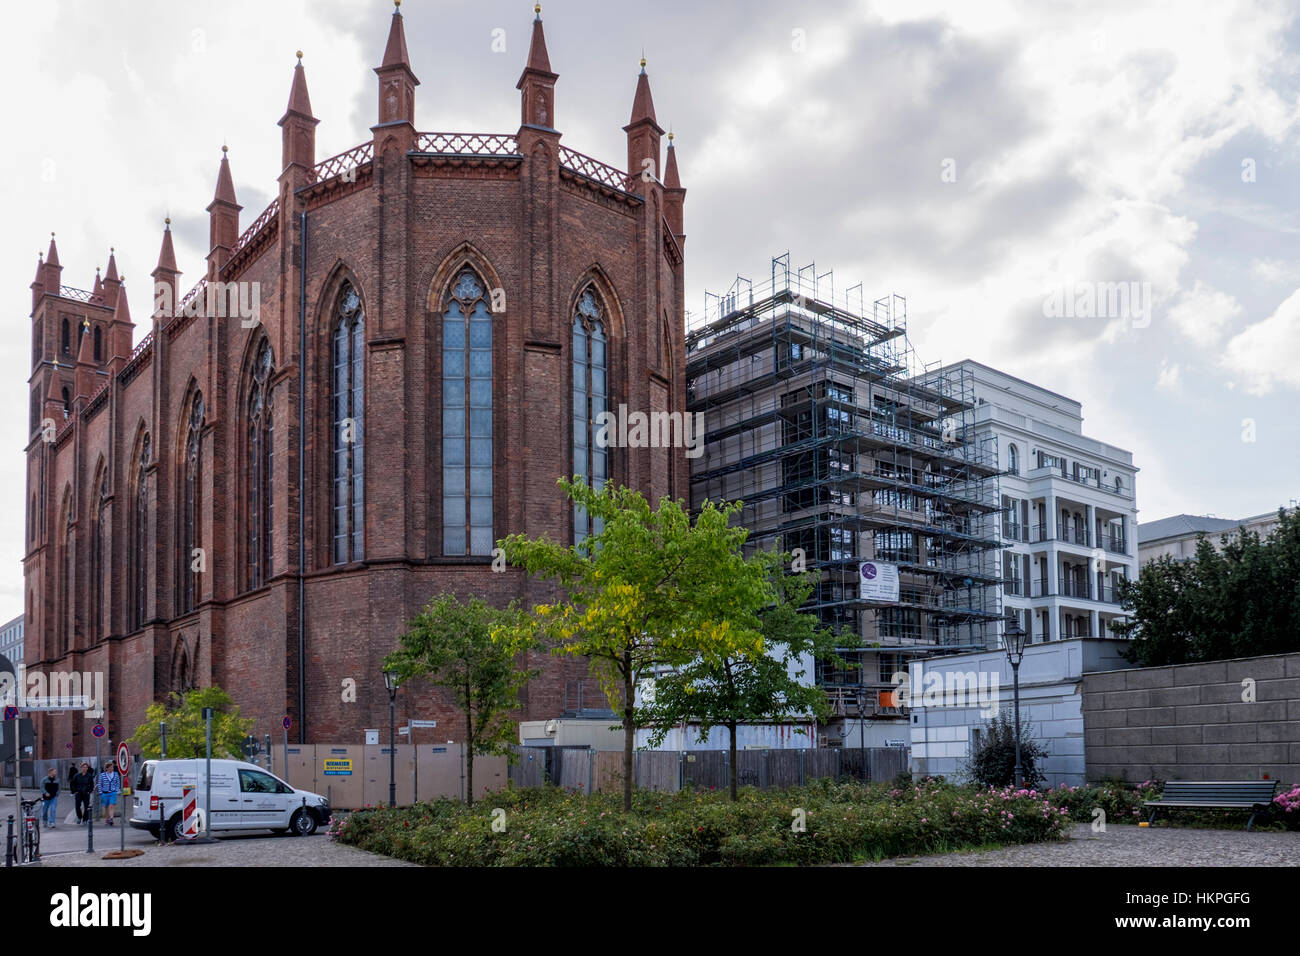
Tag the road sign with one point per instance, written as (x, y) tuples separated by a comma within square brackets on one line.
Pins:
[(98, 730), (288, 722), (123, 758), (11, 713), (404, 731), (424, 723)]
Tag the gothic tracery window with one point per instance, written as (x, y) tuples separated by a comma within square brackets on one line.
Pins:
[(259, 473), (139, 563), (467, 418), (188, 560), (99, 563), (590, 399), (347, 427)]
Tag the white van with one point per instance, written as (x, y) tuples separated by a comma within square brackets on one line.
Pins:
[(244, 797)]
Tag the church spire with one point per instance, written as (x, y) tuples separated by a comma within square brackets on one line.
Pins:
[(643, 133), (53, 269), (537, 82), (674, 194), (397, 81), (297, 125), (166, 277), (223, 218)]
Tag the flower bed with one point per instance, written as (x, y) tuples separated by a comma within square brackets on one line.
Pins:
[(824, 823)]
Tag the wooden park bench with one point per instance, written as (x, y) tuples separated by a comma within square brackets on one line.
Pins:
[(1253, 795)]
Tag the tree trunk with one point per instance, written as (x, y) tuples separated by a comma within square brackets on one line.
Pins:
[(734, 774), (469, 752), (629, 733)]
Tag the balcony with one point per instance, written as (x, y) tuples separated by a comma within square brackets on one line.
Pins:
[(1074, 535), (1014, 587), (1015, 532), (1038, 533), (1114, 543)]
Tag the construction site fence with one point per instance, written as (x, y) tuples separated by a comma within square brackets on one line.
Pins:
[(582, 769)]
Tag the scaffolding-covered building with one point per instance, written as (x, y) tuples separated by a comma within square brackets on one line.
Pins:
[(865, 465)]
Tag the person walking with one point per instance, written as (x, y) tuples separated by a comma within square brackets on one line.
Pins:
[(110, 784), (50, 794), (83, 784)]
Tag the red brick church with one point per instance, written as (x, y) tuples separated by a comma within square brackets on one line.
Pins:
[(376, 379)]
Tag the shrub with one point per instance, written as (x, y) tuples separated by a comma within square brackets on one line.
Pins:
[(841, 822), (994, 763)]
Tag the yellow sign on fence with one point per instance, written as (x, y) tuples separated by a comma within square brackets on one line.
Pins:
[(338, 767)]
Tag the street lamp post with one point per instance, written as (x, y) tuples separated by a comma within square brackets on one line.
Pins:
[(390, 682), (860, 695), (1014, 645)]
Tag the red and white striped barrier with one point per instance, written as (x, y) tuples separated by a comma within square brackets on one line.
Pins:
[(189, 812)]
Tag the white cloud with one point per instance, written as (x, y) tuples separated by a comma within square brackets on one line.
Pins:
[(1266, 355), (1202, 312), (1170, 375)]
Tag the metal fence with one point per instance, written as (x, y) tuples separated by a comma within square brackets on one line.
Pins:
[(580, 768)]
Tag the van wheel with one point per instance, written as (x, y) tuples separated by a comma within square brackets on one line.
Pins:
[(174, 829), (303, 823)]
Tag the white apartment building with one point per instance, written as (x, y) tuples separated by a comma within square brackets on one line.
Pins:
[(1177, 537), (11, 640), (1069, 512)]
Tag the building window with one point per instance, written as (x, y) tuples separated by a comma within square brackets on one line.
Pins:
[(98, 344), (260, 471), (139, 537), (65, 341), (99, 563), (1013, 460), (187, 573), (67, 402), (590, 400), (467, 419), (347, 427), (67, 569)]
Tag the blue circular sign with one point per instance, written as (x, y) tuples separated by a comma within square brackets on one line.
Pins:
[(98, 730), (287, 722), (868, 570)]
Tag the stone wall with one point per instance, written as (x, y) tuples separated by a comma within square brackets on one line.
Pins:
[(1225, 720)]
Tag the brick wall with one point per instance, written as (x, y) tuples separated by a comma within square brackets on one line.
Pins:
[(1195, 721)]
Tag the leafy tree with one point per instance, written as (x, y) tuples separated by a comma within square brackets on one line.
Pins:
[(736, 687), (185, 726), (652, 590), (470, 649), (1239, 600), (993, 763)]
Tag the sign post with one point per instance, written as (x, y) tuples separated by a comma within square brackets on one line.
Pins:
[(207, 803), (287, 724), (98, 731), (123, 767)]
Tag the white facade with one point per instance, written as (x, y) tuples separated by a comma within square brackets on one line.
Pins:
[(1178, 537), (11, 640), (1069, 509), (944, 734)]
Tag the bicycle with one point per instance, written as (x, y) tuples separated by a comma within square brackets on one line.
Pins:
[(30, 848)]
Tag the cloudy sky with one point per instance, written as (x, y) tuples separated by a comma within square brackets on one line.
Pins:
[(973, 157)]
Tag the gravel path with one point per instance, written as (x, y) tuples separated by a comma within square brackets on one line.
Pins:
[(241, 850), (1132, 846)]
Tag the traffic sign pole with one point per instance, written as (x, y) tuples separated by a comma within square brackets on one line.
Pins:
[(123, 767)]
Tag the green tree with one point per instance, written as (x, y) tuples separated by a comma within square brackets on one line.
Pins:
[(652, 590), (1241, 599), (469, 649), (185, 726), (738, 687)]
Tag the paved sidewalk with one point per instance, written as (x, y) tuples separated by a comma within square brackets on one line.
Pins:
[(1132, 846)]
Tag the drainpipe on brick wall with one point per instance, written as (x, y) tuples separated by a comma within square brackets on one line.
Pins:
[(302, 449)]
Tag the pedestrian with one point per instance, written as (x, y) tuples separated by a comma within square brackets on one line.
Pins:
[(110, 784), (82, 786), (50, 794)]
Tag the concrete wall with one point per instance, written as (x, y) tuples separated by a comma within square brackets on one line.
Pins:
[(1050, 701), (1195, 721)]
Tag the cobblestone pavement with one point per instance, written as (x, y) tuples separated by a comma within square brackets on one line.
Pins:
[(1132, 846), (65, 845)]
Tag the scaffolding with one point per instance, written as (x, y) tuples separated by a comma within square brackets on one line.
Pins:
[(820, 419)]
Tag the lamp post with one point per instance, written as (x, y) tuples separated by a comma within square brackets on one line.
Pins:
[(390, 682), (860, 695), (1014, 644)]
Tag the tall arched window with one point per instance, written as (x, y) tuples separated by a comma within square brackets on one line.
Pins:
[(139, 560), (260, 471), (187, 573), (1013, 460), (347, 426), (590, 393), (65, 340), (99, 563), (66, 571), (467, 418), (98, 344)]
